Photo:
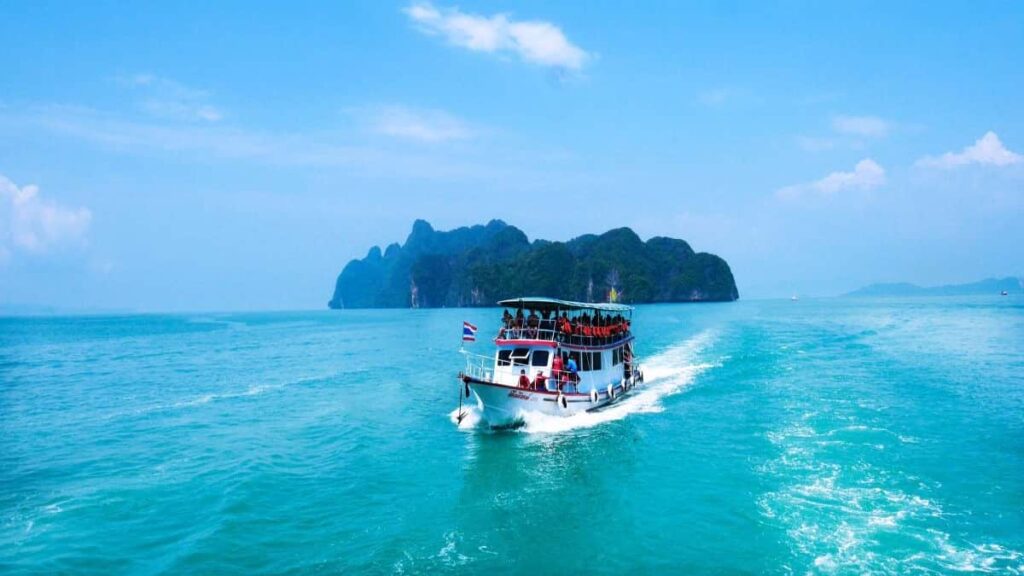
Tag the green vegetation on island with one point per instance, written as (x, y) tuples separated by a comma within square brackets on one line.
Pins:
[(479, 265)]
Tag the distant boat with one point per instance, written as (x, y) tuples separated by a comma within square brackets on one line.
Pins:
[(794, 298), (1004, 293)]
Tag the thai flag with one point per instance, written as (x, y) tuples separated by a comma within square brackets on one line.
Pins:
[(468, 332)]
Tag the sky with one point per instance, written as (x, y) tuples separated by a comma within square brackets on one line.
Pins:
[(231, 156)]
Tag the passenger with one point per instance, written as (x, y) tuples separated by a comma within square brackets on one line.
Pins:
[(540, 382), (556, 366), (532, 320), (524, 380), (574, 374), (506, 319), (533, 323), (573, 369)]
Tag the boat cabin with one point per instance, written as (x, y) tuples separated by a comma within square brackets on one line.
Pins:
[(574, 347)]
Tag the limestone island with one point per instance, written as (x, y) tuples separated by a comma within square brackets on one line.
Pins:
[(480, 265)]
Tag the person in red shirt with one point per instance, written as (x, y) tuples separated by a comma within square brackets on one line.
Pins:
[(556, 366), (524, 380), (540, 382)]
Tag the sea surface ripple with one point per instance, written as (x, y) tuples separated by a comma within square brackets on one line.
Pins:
[(825, 436)]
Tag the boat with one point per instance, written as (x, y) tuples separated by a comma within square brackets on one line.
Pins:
[(554, 357), (1004, 293)]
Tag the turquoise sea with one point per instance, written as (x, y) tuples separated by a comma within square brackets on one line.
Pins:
[(831, 436)]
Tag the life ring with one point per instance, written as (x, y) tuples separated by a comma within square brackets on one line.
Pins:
[(562, 401), (611, 392), (593, 396)]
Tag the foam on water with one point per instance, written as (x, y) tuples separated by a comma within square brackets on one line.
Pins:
[(470, 419), (665, 374), (836, 513)]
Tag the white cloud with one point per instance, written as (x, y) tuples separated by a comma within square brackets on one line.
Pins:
[(865, 126), (866, 175), (423, 125), (327, 146), (537, 42), (987, 151), (32, 223), (165, 98)]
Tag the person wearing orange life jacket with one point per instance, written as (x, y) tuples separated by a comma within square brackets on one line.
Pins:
[(540, 382), (524, 380)]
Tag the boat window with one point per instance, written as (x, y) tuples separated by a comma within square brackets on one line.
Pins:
[(503, 357), (540, 358), (616, 356), (519, 356), (586, 361)]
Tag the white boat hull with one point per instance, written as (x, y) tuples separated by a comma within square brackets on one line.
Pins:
[(502, 405)]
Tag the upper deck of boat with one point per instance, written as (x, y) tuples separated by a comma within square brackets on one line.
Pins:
[(552, 322)]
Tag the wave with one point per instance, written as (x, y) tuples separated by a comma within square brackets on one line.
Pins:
[(212, 397), (665, 374), (254, 390), (835, 511)]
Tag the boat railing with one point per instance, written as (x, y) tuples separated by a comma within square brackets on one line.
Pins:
[(553, 334), (479, 366)]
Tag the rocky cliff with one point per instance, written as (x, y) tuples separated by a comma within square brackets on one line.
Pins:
[(479, 265)]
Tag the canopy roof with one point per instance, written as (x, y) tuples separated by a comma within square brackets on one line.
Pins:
[(539, 303)]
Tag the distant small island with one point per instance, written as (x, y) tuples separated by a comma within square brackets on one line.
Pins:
[(989, 286), (479, 265)]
